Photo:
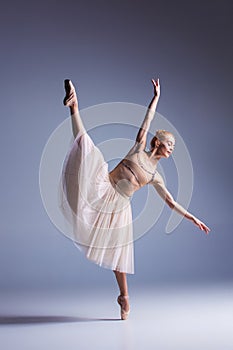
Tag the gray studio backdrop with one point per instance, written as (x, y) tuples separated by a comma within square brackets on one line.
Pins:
[(111, 50)]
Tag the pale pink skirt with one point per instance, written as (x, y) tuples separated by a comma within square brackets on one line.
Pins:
[(100, 217)]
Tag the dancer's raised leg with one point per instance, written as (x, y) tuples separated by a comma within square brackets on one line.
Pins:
[(71, 101), (123, 298)]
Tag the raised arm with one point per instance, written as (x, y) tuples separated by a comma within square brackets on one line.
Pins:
[(142, 133), (166, 195)]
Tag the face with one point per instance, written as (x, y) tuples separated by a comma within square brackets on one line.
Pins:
[(167, 146)]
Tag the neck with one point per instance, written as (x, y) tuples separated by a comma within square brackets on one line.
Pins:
[(152, 155)]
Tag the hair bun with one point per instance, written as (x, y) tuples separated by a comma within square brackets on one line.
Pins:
[(161, 134)]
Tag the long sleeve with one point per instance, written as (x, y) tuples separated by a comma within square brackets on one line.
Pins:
[(168, 198), (142, 134)]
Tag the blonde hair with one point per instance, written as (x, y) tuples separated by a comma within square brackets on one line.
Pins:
[(161, 136)]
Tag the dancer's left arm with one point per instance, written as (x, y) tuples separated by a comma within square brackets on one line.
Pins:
[(168, 198)]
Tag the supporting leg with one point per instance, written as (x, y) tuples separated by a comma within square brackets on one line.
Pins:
[(123, 298), (122, 282)]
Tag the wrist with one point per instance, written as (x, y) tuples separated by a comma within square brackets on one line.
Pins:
[(153, 104), (192, 218), (189, 216), (156, 98)]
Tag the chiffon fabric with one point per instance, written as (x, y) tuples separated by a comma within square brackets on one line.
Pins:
[(97, 212)]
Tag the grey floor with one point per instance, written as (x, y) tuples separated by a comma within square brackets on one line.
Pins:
[(199, 318)]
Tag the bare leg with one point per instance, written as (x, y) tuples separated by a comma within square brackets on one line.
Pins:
[(71, 101), (122, 282), (123, 299)]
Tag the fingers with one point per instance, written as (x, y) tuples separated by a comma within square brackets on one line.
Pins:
[(156, 88), (155, 82), (204, 228), (207, 230)]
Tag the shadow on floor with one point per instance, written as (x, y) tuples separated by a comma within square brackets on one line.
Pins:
[(14, 319)]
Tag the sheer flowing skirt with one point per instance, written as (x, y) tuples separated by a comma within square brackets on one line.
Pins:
[(99, 216)]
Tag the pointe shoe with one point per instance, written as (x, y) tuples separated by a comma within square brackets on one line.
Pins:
[(71, 97), (124, 313)]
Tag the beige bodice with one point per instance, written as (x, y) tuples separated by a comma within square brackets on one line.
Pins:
[(134, 171)]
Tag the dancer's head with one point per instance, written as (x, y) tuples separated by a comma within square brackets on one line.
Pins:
[(163, 142)]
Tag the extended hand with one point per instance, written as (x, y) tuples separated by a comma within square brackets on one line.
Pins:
[(156, 87), (201, 225)]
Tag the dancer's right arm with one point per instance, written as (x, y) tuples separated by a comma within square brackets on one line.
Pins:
[(142, 134)]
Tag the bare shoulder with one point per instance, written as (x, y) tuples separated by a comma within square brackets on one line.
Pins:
[(158, 179)]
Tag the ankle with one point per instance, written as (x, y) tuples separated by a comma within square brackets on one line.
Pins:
[(74, 109), (125, 296)]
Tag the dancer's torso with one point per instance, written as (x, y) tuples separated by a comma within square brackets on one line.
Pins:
[(134, 171)]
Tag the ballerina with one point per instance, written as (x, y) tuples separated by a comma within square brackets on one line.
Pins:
[(97, 202)]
